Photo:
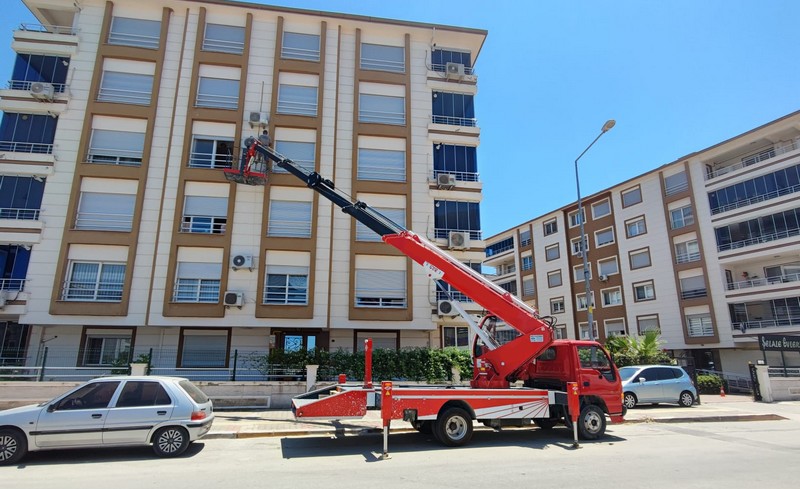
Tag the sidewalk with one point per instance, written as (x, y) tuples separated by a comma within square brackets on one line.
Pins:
[(259, 423)]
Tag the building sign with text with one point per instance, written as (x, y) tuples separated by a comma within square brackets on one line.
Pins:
[(776, 342)]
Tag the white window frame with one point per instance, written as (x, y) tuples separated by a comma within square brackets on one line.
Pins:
[(549, 249), (199, 289), (526, 262), (296, 45), (585, 333), (649, 289), (227, 38), (374, 109), (631, 191), (458, 339), (596, 205), (574, 220), (611, 297), (214, 221), (647, 318), (98, 211), (643, 251), (615, 321), (577, 273), (214, 159), (597, 235), (551, 276), (279, 226), (603, 262), (683, 253), (140, 33), (580, 301), (98, 291), (686, 217), (382, 57), (125, 88), (297, 100), (699, 325), (557, 305), (575, 247), (386, 297), (217, 93), (113, 347), (528, 287), (638, 224), (287, 293), (550, 227), (120, 150), (370, 165)]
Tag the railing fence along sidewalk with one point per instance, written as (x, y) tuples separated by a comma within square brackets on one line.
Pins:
[(735, 382)]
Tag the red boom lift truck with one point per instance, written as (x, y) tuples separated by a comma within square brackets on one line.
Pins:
[(542, 365)]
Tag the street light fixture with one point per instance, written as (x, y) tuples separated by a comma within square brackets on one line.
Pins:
[(584, 252)]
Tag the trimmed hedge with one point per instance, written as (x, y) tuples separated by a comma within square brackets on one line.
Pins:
[(709, 384), (412, 364)]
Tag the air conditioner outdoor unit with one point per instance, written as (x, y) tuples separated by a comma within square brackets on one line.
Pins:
[(242, 261), (259, 119), (42, 91), (603, 278), (454, 70), (445, 180), (458, 240), (445, 308), (233, 299)]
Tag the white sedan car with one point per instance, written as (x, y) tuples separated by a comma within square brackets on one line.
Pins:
[(167, 412)]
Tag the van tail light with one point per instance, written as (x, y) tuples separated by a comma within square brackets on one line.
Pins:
[(198, 415)]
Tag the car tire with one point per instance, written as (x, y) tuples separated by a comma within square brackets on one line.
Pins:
[(686, 399), (545, 423), (13, 446), (591, 422), (170, 441), (629, 400), (454, 427)]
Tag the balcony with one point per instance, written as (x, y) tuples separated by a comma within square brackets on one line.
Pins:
[(760, 324), (12, 284), (687, 257), (454, 121), (19, 214), (756, 199), (445, 233), (766, 238), (47, 29), (461, 176), (762, 282), (751, 158), (694, 293), (25, 147)]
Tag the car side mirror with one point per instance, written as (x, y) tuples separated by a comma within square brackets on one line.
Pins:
[(51, 408), (642, 380)]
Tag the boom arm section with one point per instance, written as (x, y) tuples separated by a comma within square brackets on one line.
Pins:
[(495, 367)]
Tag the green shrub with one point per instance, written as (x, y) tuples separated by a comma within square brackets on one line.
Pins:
[(709, 384)]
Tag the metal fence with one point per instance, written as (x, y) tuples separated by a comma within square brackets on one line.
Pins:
[(69, 364)]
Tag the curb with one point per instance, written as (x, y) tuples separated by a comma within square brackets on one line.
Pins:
[(711, 419)]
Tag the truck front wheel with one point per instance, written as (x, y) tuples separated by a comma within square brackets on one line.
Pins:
[(592, 422), (454, 427)]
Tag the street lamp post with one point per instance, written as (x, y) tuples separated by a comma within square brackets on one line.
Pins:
[(584, 251)]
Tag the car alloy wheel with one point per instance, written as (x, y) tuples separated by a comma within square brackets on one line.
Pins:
[(170, 441), (629, 400)]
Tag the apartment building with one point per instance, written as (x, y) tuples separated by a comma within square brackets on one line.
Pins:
[(120, 233), (705, 249)]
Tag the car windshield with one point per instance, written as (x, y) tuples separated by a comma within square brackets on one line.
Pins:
[(626, 373)]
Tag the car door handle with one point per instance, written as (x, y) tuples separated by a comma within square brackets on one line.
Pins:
[(97, 416), (161, 413)]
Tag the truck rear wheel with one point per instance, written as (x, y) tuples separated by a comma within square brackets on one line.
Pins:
[(454, 427), (592, 422)]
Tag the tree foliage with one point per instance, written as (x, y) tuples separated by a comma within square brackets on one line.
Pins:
[(637, 350)]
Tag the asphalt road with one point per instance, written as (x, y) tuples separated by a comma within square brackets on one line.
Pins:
[(732, 455)]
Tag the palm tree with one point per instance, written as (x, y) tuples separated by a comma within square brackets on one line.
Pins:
[(637, 350)]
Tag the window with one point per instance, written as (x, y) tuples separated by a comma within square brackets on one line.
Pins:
[(576, 245), (217, 93), (142, 393), (631, 196), (612, 297), (289, 219), (297, 100), (301, 153), (94, 282), (460, 161), (528, 287), (212, 153), (381, 109), (601, 209), (197, 282), (580, 301), (687, 252), (205, 348), (552, 252), (554, 279), (550, 227), (639, 258), (286, 285), (383, 58), (30, 68), (455, 109), (20, 197), (560, 331), (499, 247), (676, 183), (105, 212), (759, 230), (224, 39), (648, 323), (644, 291), (577, 272), (765, 187), (304, 47), (116, 147), (14, 261), (106, 348), (380, 288), (457, 216), (693, 287), (524, 238), (206, 215), (380, 164), (604, 237), (699, 325), (575, 218), (27, 133), (440, 58), (363, 233), (527, 262), (455, 336), (615, 327), (134, 32), (557, 305), (586, 333), (510, 287), (635, 227), (681, 217), (126, 88)]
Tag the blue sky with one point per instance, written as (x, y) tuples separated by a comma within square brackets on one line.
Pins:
[(678, 76)]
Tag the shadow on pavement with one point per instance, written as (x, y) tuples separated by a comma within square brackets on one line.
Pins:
[(100, 455)]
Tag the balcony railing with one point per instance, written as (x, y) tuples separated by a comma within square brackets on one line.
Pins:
[(743, 326), (693, 294), (468, 70), (103, 221), (382, 117), (74, 290), (454, 121), (23, 147), (17, 284), (214, 101), (445, 233), (687, 257), (50, 29), (760, 282), (297, 108), (114, 157), (223, 46), (204, 224), (756, 199), (461, 176), (742, 162), (674, 189), (26, 85), (453, 295), (19, 214), (132, 39), (758, 240), (124, 96), (211, 160)]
